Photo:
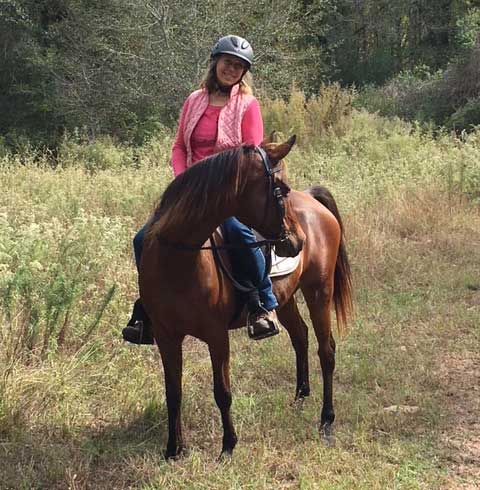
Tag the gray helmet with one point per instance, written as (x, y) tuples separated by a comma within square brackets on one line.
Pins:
[(236, 46)]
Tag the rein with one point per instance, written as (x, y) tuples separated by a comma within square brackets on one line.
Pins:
[(236, 284), (228, 246)]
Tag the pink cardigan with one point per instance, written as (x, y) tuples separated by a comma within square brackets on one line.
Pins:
[(240, 121)]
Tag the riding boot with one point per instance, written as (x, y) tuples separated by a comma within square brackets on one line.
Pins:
[(261, 323), (138, 329)]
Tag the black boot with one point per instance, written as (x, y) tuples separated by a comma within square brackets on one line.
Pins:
[(261, 323), (138, 329)]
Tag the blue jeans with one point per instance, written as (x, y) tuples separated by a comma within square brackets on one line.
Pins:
[(248, 263)]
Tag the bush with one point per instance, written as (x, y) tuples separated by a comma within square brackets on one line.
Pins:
[(49, 274), (466, 117), (101, 154), (328, 113), (464, 173), (449, 98), (411, 95), (378, 157), (4, 151), (157, 149)]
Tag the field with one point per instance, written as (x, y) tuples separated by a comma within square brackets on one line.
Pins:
[(79, 409)]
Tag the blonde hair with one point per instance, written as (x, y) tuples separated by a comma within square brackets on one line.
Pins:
[(209, 81)]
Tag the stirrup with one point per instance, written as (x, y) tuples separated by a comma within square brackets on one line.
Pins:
[(138, 333), (273, 325)]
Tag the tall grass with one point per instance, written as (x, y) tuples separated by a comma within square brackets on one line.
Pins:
[(327, 114), (80, 409)]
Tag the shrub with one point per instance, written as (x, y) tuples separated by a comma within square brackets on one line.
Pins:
[(49, 277), (448, 98), (328, 113), (412, 95), (466, 117), (4, 151), (101, 154), (464, 172), (379, 156)]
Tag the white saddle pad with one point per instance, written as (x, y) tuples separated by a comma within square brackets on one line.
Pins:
[(281, 266)]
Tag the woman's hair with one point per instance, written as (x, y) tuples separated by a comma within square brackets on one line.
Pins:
[(210, 82)]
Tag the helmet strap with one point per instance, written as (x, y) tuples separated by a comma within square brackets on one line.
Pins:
[(224, 89)]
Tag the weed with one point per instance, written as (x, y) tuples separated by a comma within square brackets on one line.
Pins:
[(80, 409)]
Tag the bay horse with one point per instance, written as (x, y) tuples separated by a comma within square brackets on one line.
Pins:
[(185, 293)]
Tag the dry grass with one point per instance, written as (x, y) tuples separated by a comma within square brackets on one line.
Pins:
[(91, 415)]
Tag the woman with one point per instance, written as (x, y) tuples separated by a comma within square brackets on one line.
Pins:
[(222, 114)]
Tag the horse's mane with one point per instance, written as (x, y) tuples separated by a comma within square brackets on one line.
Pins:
[(209, 184)]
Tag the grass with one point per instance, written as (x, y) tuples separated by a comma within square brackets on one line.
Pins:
[(80, 410)]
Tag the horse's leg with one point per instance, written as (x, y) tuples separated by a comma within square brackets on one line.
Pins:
[(220, 354), (171, 352), (318, 301), (297, 329)]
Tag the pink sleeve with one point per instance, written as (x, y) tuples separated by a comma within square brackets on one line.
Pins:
[(252, 124), (179, 151)]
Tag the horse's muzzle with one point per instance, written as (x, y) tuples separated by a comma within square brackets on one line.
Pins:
[(289, 247)]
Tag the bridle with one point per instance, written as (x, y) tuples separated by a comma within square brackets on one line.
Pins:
[(274, 193), (275, 197)]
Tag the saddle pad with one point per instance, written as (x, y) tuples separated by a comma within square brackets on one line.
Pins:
[(281, 266)]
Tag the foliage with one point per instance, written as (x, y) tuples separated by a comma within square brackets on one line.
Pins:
[(410, 95), (123, 68), (326, 114), (47, 280), (88, 411), (467, 31), (100, 154), (378, 39), (467, 116), (446, 98)]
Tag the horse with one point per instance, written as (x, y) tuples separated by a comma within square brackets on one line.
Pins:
[(185, 293)]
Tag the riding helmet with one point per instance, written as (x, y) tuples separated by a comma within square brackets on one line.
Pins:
[(236, 46)]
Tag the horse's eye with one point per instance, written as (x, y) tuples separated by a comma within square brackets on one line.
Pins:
[(285, 188)]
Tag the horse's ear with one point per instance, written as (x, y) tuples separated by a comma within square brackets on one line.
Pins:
[(271, 138), (277, 152)]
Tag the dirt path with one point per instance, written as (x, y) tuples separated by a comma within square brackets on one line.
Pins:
[(460, 378)]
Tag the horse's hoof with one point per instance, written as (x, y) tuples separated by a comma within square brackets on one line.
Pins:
[(173, 455), (326, 434), (298, 403), (225, 456)]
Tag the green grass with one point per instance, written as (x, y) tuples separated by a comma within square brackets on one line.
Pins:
[(80, 409)]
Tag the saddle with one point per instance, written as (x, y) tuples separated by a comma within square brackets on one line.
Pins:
[(247, 294), (281, 266)]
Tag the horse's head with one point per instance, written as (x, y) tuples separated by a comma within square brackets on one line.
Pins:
[(266, 206)]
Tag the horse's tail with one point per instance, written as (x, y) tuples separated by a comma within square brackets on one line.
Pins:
[(342, 289)]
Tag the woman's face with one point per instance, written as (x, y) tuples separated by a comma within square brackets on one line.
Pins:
[(230, 69)]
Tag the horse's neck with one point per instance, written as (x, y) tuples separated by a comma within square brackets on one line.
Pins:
[(182, 261), (195, 234)]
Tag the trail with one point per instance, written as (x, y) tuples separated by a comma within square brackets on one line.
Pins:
[(459, 375)]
